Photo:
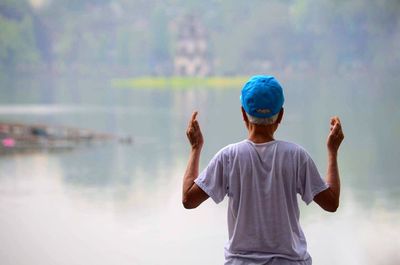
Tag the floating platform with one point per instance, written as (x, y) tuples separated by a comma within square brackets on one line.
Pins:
[(18, 137)]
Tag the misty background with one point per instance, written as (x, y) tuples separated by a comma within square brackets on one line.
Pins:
[(133, 38), (95, 99)]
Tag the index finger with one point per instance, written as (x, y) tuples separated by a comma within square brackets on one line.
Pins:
[(335, 120), (194, 115), (335, 128)]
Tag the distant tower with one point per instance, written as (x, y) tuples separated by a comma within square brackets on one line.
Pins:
[(191, 56)]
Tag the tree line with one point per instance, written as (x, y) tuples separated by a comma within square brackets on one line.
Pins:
[(136, 38)]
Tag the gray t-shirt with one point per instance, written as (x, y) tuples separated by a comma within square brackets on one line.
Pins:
[(262, 182)]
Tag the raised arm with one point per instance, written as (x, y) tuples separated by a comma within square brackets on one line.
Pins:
[(193, 195), (329, 198)]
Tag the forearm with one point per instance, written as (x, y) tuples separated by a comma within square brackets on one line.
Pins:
[(332, 176), (329, 198), (192, 170)]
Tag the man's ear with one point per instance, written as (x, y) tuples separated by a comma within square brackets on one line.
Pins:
[(245, 118), (280, 116)]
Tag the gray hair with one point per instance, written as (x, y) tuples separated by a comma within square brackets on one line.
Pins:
[(262, 121)]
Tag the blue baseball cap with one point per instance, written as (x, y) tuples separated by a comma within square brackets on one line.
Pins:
[(262, 96)]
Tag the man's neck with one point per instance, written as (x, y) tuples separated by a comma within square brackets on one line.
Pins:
[(261, 133)]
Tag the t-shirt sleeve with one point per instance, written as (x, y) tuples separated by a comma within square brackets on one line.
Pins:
[(212, 179), (309, 181)]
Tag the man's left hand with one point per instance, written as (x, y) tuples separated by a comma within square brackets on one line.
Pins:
[(193, 133)]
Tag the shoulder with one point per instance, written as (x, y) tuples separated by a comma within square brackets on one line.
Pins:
[(232, 149), (236, 146), (289, 145), (292, 149)]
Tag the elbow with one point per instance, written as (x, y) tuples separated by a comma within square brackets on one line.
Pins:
[(187, 203), (328, 200), (333, 207), (333, 203)]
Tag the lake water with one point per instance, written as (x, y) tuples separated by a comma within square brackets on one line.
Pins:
[(115, 203)]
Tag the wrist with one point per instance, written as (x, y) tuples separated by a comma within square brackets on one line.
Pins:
[(332, 153), (197, 148)]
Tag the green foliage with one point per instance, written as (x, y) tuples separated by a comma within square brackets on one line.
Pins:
[(353, 31), (180, 82), (17, 42), (132, 37)]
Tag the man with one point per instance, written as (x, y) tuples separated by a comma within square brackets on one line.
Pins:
[(261, 177)]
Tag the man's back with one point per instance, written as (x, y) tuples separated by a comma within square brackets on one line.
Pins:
[(262, 182)]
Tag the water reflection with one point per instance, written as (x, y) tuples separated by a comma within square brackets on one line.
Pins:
[(50, 221), (120, 204)]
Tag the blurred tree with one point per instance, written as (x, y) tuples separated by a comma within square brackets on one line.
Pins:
[(17, 40), (136, 37), (161, 48), (347, 33)]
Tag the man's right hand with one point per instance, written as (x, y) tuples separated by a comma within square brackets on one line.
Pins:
[(335, 136), (193, 133)]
